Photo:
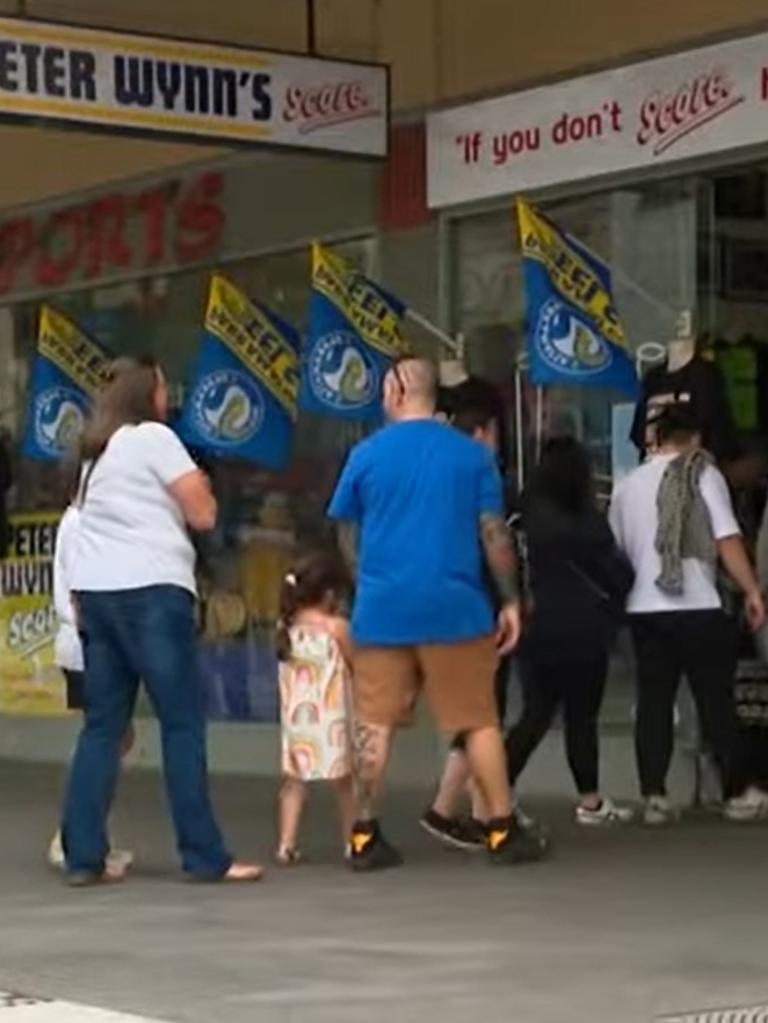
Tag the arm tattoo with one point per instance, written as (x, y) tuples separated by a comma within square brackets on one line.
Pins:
[(500, 556), (347, 536)]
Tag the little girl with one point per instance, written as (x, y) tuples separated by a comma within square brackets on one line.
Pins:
[(68, 655), (315, 653)]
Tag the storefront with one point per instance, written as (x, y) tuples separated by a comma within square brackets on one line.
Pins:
[(660, 169), (130, 264)]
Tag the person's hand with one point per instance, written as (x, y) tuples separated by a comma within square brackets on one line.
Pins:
[(509, 629), (754, 608)]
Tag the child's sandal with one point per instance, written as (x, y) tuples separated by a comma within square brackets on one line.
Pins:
[(288, 857)]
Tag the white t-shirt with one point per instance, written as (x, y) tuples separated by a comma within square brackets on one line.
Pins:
[(68, 650), (132, 532), (634, 520)]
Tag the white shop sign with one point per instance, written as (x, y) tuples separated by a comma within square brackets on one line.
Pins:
[(106, 79), (660, 111)]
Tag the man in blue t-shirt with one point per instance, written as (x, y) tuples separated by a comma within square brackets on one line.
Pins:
[(421, 504)]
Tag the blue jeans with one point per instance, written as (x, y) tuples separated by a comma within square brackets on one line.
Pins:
[(146, 634)]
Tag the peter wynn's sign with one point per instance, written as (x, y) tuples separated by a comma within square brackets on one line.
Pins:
[(113, 80)]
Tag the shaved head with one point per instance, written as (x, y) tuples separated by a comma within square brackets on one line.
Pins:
[(410, 389)]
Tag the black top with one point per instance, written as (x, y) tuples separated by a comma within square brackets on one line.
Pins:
[(699, 382), (578, 582)]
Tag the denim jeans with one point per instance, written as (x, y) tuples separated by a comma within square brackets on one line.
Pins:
[(144, 634)]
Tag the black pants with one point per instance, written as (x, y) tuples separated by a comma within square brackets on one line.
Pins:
[(702, 646), (576, 684)]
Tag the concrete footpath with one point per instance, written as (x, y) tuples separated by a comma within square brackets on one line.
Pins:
[(621, 925)]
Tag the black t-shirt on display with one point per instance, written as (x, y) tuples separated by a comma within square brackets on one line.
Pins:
[(699, 383)]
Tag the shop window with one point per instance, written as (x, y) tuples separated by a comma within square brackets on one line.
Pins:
[(265, 518), (648, 236)]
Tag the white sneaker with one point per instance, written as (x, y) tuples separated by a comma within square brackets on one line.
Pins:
[(659, 811), (752, 805), (56, 852), (607, 813), (117, 863)]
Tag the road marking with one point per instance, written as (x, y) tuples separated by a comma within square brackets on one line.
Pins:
[(20, 1008), (742, 1014)]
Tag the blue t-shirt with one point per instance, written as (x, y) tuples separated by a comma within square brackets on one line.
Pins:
[(416, 491)]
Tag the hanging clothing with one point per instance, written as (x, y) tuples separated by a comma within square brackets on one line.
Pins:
[(699, 383), (745, 371)]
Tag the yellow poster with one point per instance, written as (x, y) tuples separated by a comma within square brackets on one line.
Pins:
[(30, 683)]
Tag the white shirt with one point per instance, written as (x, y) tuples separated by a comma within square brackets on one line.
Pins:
[(132, 532), (68, 650), (634, 520)]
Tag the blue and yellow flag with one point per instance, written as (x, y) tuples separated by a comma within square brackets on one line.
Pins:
[(575, 336), (352, 337), (68, 371), (242, 399)]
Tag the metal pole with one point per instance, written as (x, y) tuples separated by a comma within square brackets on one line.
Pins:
[(539, 422), (454, 345)]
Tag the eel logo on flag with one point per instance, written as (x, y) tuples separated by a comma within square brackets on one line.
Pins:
[(68, 371), (352, 338), (575, 335), (242, 402)]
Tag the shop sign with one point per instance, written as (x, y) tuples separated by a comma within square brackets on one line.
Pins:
[(122, 82), (30, 683), (645, 115), (116, 234)]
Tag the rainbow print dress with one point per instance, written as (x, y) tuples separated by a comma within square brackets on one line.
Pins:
[(314, 708)]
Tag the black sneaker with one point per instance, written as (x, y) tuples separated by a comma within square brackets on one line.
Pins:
[(459, 834), (369, 850), (509, 843)]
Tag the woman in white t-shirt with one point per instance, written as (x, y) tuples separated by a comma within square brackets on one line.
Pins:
[(135, 583)]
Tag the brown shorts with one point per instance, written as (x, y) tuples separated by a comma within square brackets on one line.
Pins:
[(458, 679)]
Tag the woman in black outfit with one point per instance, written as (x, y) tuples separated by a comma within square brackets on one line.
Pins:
[(578, 582)]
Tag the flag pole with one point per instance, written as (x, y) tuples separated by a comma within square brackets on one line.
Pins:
[(454, 345), (539, 421)]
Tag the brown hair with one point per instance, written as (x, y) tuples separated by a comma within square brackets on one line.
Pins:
[(313, 578), (127, 398)]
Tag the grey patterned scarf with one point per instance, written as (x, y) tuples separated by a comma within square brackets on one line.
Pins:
[(684, 528)]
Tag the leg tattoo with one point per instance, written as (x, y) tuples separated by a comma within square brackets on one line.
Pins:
[(371, 749)]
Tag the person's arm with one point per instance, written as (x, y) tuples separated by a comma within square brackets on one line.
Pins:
[(730, 546), (500, 556), (502, 563), (499, 551), (185, 482), (192, 492), (734, 558), (762, 552)]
